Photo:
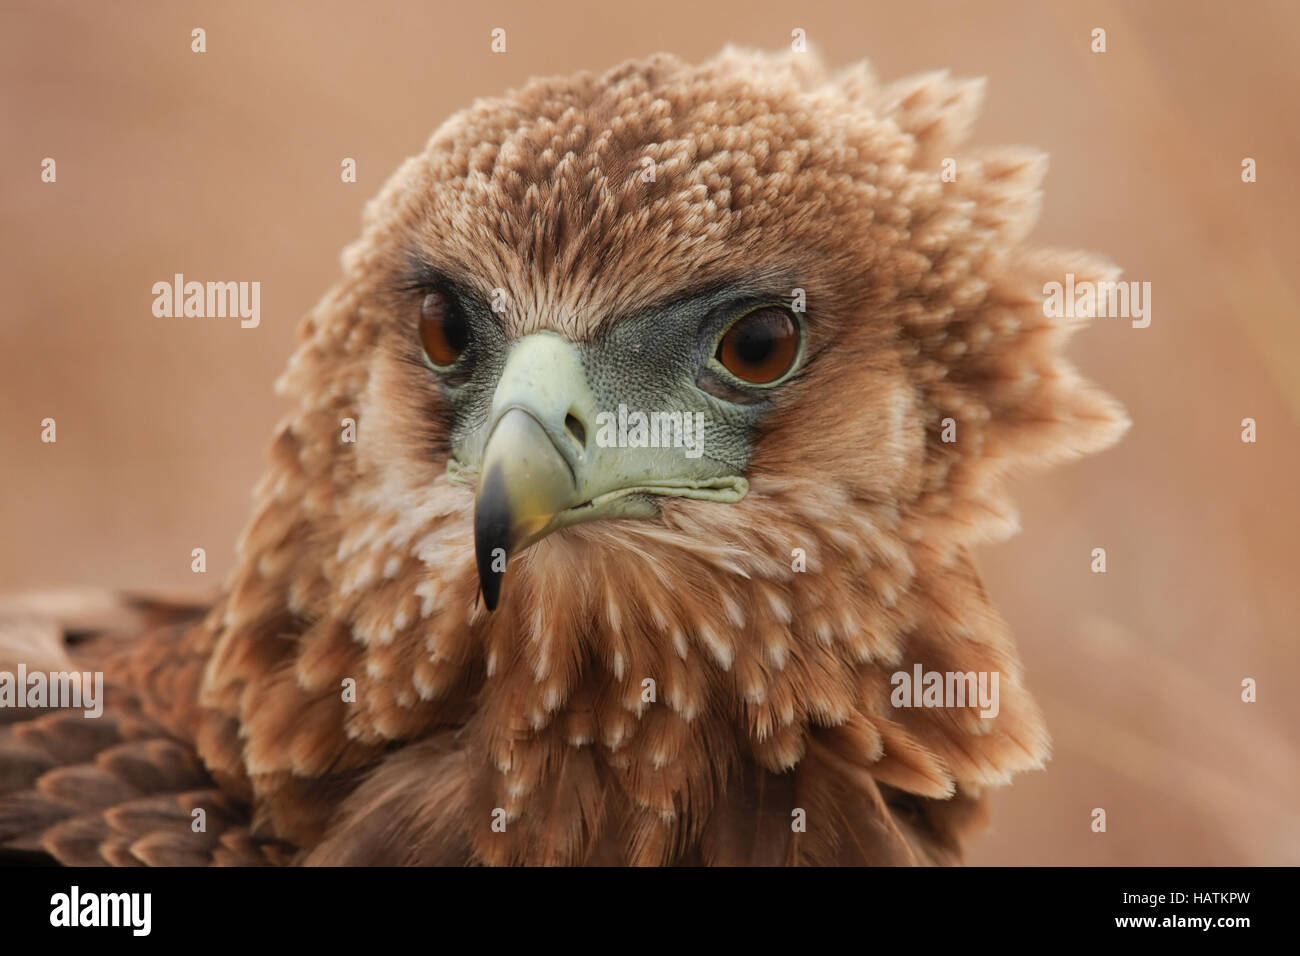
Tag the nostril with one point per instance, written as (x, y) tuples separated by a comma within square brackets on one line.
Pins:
[(575, 430)]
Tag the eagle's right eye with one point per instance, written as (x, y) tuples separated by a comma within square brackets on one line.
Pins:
[(760, 347), (444, 332)]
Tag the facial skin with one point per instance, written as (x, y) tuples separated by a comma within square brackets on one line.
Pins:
[(527, 413)]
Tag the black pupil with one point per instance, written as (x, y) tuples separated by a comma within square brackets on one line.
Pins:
[(755, 338), (454, 329)]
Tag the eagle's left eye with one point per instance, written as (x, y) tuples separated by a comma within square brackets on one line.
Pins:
[(761, 346), (444, 331)]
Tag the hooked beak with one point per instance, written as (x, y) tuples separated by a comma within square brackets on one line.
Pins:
[(542, 467), (525, 483)]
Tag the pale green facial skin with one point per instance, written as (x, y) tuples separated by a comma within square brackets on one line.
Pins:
[(542, 393), (537, 433)]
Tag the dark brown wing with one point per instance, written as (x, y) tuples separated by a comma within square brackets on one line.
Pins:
[(124, 788)]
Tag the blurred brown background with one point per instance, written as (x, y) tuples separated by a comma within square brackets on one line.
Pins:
[(226, 166)]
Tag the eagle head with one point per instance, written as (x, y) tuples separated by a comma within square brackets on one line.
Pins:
[(679, 397)]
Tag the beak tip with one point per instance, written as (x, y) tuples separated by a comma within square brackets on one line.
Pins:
[(489, 578), (491, 589), (492, 538)]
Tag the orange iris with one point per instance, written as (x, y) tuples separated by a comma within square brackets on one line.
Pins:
[(760, 347), (443, 331)]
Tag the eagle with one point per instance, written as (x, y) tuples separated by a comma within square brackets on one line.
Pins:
[(641, 447)]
